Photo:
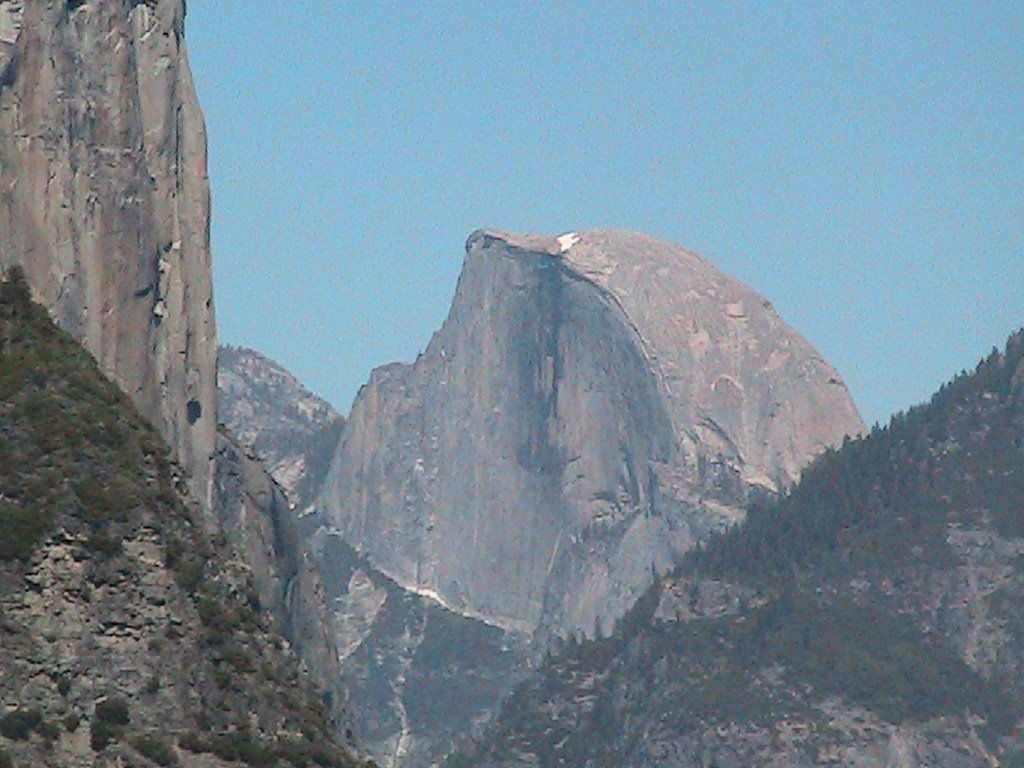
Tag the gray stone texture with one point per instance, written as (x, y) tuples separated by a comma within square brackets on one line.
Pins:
[(104, 200), (592, 406), (256, 518), (266, 409)]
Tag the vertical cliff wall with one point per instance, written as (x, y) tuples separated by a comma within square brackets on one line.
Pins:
[(104, 200), (258, 521), (593, 405), (105, 203)]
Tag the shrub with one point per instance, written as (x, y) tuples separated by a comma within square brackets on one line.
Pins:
[(188, 569), (240, 746), (20, 723), (101, 542), (101, 734), (110, 501), (210, 611), (113, 711), (156, 749), (240, 659), (192, 742), (71, 722), (108, 723), (6, 761), (21, 529), (49, 731)]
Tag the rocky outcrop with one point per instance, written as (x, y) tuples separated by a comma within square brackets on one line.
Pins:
[(276, 442), (417, 675), (130, 635), (592, 405), (104, 200), (257, 521), (269, 412)]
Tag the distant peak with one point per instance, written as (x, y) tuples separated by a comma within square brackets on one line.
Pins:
[(540, 244), (606, 240)]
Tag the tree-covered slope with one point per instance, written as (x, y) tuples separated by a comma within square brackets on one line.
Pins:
[(129, 635), (874, 616)]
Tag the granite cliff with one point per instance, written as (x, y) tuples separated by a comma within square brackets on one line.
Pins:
[(105, 207), (592, 406), (269, 412), (104, 201)]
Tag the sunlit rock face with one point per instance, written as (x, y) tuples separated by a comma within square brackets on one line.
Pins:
[(104, 200), (593, 405), (267, 410), (416, 676)]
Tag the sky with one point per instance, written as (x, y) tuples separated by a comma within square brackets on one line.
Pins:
[(859, 164)]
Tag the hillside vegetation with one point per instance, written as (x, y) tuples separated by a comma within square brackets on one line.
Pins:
[(129, 634), (875, 614), (71, 441)]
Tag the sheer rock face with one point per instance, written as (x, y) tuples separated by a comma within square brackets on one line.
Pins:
[(592, 405), (256, 518), (104, 200), (294, 432), (416, 675)]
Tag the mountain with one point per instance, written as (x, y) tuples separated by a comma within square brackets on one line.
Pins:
[(132, 635), (269, 412), (104, 206), (592, 406), (416, 675), (104, 201), (872, 617), (257, 522), (271, 455)]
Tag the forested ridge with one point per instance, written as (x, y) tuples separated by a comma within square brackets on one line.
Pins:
[(886, 588), (959, 455), (130, 633)]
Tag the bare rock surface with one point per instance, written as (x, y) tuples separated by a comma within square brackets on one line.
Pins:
[(872, 617), (593, 405), (104, 200), (268, 411), (416, 675), (257, 521)]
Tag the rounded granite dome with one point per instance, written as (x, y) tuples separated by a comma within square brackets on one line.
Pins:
[(594, 404), (737, 379)]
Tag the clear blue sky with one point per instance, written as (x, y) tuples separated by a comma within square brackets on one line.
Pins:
[(860, 164)]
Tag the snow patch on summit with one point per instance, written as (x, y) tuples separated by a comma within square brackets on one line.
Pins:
[(567, 241)]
